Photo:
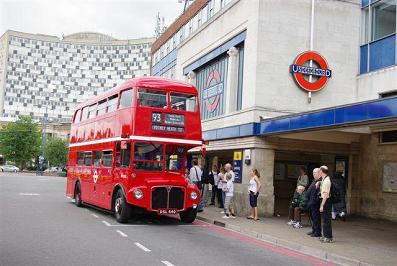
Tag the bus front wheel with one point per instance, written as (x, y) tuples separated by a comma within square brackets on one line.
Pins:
[(77, 196), (122, 210), (188, 216)]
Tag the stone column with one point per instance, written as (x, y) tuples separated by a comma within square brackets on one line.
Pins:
[(232, 80), (263, 160), (191, 77)]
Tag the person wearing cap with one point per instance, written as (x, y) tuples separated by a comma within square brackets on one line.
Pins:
[(325, 205)]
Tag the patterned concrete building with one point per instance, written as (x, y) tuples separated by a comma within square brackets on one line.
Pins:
[(41, 71)]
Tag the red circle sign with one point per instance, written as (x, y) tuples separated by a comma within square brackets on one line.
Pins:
[(212, 99), (299, 70)]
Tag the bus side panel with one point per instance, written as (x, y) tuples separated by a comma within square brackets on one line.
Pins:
[(71, 177)]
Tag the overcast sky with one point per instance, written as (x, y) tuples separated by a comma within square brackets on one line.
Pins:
[(122, 19)]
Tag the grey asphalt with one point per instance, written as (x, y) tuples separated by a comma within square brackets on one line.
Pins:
[(40, 226)]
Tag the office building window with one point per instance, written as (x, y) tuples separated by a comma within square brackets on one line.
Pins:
[(383, 19)]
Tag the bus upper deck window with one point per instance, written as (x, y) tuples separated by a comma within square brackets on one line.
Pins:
[(84, 115), (92, 111), (102, 107), (77, 116), (152, 98), (126, 98), (185, 102), (112, 103)]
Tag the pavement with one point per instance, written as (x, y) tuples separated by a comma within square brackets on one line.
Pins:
[(358, 241), (40, 226)]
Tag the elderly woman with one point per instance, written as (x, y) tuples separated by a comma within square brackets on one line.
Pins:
[(298, 203)]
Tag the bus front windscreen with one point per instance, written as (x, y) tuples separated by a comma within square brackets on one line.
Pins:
[(148, 156)]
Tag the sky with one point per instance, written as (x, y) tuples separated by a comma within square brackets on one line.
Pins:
[(121, 19)]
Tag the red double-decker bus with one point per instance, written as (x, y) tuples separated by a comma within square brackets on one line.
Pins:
[(128, 149)]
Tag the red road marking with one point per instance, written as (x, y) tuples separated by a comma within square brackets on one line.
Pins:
[(290, 253)]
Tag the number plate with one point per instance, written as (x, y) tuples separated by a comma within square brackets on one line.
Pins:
[(167, 211)]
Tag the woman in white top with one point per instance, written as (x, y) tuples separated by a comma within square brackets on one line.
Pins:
[(253, 190)]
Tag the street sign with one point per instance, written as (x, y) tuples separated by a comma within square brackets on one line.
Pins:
[(237, 166)]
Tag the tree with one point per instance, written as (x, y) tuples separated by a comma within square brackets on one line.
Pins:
[(56, 151), (20, 141)]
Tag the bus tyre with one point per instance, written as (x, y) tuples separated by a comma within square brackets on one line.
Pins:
[(77, 196), (122, 210), (188, 216)]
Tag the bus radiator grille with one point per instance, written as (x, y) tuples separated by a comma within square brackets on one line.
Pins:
[(172, 198)]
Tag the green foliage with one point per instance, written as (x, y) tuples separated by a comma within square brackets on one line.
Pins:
[(56, 151), (20, 141)]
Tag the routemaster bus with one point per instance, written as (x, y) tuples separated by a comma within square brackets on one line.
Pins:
[(128, 149)]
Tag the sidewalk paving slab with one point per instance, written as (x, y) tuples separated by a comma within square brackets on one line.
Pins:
[(358, 241)]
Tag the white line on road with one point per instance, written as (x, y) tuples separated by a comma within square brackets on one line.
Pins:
[(106, 223), (93, 214), (29, 194), (142, 247), (167, 263), (121, 233)]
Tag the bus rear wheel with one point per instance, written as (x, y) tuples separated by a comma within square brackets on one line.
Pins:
[(77, 196), (188, 216), (122, 210)]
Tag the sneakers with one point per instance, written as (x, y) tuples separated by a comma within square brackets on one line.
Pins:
[(225, 217), (233, 216), (297, 225), (291, 222), (222, 212), (326, 240)]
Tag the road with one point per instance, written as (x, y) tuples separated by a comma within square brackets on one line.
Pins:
[(40, 226)]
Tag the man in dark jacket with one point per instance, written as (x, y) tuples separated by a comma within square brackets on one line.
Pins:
[(313, 204)]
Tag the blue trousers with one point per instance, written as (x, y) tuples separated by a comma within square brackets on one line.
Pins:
[(316, 219)]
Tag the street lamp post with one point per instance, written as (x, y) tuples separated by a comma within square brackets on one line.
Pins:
[(40, 169)]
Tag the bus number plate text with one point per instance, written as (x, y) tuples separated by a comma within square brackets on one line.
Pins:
[(168, 211)]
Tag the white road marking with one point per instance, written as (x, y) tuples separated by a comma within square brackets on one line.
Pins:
[(139, 245), (121, 233), (43, 179), (29, 194), (167, 263), (93, 214), (106, 223)]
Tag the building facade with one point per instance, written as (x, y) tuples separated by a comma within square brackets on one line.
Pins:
[(42, 73), (284, 85)]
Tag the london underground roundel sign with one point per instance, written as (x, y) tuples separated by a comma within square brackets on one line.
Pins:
[(320, 72)]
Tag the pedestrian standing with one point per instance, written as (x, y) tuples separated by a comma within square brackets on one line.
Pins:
[(313, 204), (253, 190), (303, 179), (228, 168), (325, 205), (229, 191), (221, 184), (195, 177), (205, 187), (214, 180)]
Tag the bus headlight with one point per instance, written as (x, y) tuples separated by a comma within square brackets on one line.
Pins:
[(193, 195), (138, 193)]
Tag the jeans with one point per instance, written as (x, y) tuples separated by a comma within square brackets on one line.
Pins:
[(214, 193), (326, 217), (204, 195), (316, 219)]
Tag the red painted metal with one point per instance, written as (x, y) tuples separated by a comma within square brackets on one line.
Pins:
[(128, 125)]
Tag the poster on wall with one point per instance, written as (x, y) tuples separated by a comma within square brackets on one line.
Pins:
[(293, 170), (390, 177), (237, 166)]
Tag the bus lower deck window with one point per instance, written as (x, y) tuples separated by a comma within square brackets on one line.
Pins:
[(107, 158), (148, 156), (87, 158), (97, 158)]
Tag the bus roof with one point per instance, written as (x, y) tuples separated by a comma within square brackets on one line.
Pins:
[(151, 82)]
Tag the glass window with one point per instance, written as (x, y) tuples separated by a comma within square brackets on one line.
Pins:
[(107, 158), (148, 156), (383, 19), (365, 26), (77, 116), (87, 158), (152, 98), (174, 157), (183, 102), (102, 107), (125, 154), (112, 103), (126, 98), (97, 158), (80, 158), (84, 114), (92, 111)]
